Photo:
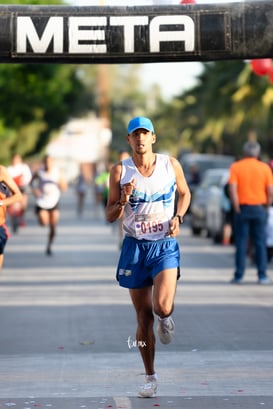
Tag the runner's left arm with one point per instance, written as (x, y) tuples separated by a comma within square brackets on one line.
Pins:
[(16, 195)]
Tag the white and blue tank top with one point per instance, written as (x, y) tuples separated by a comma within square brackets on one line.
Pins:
[(151, 205)]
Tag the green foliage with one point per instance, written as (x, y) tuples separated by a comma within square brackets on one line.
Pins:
[(126, 100), (34, 100), (228, 105)]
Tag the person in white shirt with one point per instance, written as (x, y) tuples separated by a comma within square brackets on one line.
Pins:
[(143, 192), (47, 184)]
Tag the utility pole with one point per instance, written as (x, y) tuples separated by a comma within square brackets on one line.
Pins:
[(103, 85)]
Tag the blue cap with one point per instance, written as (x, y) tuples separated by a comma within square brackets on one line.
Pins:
[(140, 122)]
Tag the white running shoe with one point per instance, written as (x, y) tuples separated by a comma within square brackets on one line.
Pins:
[(165, 329), (148, 390)]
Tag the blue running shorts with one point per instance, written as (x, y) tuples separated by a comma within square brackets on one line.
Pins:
[(3, 237), (141, 260)]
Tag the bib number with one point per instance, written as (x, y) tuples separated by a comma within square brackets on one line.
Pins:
[(150, 224)]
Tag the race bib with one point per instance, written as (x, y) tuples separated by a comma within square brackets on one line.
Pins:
[(146, 224)]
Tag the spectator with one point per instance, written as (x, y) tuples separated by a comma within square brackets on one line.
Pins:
[(269, 226), (194, 175), (251, 192)]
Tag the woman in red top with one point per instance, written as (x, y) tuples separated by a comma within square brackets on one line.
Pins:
[(9, 194)]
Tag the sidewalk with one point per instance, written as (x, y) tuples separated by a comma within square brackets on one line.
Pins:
[(65, 325)]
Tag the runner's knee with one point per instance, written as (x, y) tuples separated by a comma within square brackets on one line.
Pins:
[(145, 318), (163, 309)]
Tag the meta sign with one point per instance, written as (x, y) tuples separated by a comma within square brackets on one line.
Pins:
[(136, 34), (95, 35)]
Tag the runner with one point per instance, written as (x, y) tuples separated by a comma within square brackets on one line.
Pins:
[(21, 174), (47, 184), (9, 194), (142, 190)]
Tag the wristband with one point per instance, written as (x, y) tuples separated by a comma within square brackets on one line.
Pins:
[(1, 203), (180, 218)]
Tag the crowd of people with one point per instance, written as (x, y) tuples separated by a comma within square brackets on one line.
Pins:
[(45, 184), (148, 195), (239, 196)]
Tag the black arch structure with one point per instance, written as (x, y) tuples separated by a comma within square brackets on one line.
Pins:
[(61, 34)]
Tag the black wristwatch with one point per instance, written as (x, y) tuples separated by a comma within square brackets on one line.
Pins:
[(180, 218)]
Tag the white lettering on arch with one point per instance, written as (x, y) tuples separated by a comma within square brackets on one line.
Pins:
[(87, 29), (128, 23), (26, 32), (186, 36)]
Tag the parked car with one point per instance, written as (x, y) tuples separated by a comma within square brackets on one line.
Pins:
[(207, 213), (203, 162)]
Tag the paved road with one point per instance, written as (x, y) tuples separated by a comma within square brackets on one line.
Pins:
[(67, 329)]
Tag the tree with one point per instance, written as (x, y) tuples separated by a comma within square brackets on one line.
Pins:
[(228, 104), (35, 99)]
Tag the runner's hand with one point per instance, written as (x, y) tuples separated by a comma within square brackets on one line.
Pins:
[(174, 227), (127, 190)]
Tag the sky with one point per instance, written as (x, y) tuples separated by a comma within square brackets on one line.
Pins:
[(180, 75)]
